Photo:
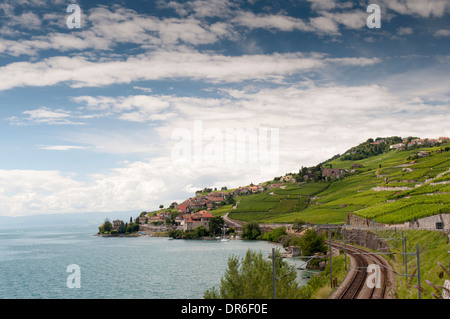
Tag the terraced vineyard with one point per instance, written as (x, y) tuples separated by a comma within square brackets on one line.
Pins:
[(390, 188)]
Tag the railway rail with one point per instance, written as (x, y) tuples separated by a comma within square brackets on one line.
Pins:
[(358, 283)]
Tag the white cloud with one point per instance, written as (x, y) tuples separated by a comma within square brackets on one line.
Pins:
[(105, 28), (61, 147), (280, 22), (202, 8), (442, 33), (324, 23), (350, 19), (27, 192), (144, 89), (142, 185), (307, 111), (44, 115), (353, 61), (329, 4), (405, 31), (421, 8), (214, 68), (27, 20), (115, 141)]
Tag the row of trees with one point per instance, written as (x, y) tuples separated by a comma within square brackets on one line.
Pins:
[(209, 190), (216, 224), (370, 148), (124, 228)]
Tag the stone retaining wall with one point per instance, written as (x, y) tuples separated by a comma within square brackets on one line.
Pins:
[(428, 223)]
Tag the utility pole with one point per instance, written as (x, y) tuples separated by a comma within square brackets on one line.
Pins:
[(418, 269), (395, 229), (406, 258), (331, 268), (449, 260), (345, 249), (274, 275)]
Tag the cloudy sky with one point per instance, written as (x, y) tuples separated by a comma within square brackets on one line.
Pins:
[(150, 100)]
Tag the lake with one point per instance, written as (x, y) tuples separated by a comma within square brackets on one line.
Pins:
[(34, 265)]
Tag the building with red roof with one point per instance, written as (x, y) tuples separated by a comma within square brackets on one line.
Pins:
[(195, 220)]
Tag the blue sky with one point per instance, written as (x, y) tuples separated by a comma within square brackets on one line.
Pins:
[(109, 117)]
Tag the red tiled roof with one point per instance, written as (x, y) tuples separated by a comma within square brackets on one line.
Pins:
[(205, 214)]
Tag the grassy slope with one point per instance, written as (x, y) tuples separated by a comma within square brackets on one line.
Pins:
[(433, 247), (331, 202)]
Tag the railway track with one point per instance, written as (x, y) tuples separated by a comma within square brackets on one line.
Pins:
[(359, 283)]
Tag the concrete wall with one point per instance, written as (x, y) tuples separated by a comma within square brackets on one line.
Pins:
[(366, 238), (446, 293)]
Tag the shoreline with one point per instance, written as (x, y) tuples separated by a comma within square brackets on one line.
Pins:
[(162, 235)]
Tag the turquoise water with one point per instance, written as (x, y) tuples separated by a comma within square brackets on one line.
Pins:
[(34, 264)]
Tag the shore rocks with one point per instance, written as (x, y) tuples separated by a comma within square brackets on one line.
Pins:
[(292, 251)]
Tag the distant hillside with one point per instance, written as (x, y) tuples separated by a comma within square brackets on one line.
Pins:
[(61, 221), (372, 180)]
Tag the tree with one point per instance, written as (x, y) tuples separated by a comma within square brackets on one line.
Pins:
[(132, 228), (129, 228), (298, 224), (121, 229), (275, 234), (251, 231), (161, 206), (229, 199), (216, 224), (105, 227), (200, 231), (252, 278), (312, 243)]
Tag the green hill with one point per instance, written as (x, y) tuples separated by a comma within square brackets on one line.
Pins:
[(370, 180)]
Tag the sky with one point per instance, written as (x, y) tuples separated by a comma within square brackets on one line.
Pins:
[(145, 102)]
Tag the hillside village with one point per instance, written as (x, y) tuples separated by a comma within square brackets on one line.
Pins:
[(408, 143), (200, 210)]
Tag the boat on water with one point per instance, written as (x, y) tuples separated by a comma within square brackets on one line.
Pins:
[(224, 239)]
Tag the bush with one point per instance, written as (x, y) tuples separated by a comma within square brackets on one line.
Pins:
[(275, 234), (200, 231), (251, 231), (106, 227), (176, 234), (298, 224), (289, 240), (312, 243)]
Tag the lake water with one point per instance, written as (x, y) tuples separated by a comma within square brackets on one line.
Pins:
[(33, 265)]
